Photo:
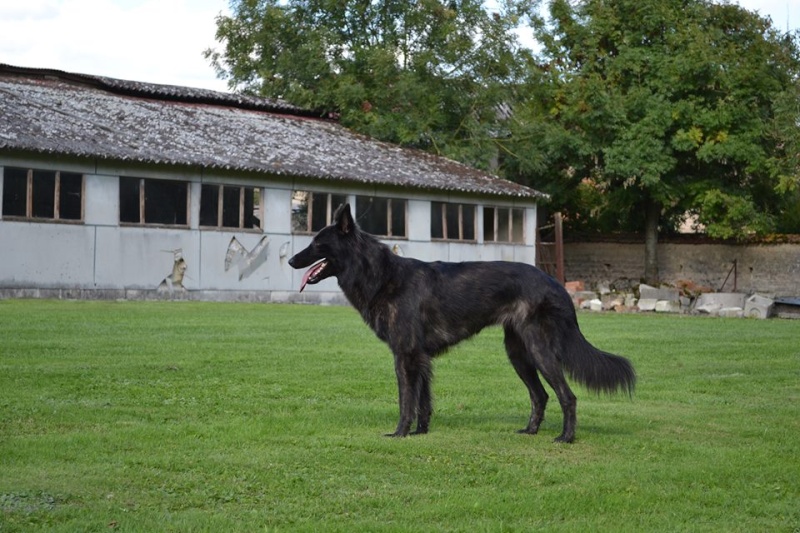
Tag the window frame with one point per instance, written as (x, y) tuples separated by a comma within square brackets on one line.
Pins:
[(446, 237), (258, 211), (142, 207), (510, 225), (309, 221), (390, 234), (57, 200)]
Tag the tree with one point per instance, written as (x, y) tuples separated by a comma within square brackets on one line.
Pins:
[(428, 73), (649, 110)]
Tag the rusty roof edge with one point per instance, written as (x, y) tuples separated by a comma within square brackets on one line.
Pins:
[(170, 92)]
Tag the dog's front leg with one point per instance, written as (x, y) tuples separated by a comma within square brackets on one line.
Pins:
[(407, 377)]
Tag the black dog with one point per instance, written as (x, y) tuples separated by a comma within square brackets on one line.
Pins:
[(421, 309)]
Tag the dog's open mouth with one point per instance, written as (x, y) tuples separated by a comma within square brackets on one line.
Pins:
[(313, 274)]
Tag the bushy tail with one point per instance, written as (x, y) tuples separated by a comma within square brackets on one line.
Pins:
[(597, 370)]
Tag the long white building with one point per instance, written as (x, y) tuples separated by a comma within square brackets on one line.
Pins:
[(121, 189)]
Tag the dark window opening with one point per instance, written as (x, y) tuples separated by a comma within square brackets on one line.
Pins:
[(385, 217), (153, 201), (224, 206), (42, 194), (454, 222), (44, 189), (129, 200), (15, 192)]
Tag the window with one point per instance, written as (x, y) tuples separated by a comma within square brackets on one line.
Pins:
[(312, 211), (503, 224), (385, 217), (455, 222), (223, 206), (151, 201), (42, 194)]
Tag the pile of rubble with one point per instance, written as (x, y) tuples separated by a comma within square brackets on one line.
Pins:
[(686, 298)]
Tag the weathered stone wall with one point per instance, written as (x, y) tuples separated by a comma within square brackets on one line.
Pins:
[(772, 269)]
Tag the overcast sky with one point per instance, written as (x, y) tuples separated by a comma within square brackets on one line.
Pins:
[(158, 41)]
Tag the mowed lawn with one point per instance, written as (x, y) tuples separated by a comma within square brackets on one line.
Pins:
[(186, 416)]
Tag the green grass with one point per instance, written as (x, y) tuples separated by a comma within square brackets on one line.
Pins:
[(180, 416)]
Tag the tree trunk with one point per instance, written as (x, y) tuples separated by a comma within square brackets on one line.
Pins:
[(652, 217)]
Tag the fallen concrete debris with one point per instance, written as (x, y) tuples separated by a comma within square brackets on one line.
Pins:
[(688, 299), (757, 306)]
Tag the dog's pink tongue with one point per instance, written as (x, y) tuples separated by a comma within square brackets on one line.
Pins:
[(306, 276)]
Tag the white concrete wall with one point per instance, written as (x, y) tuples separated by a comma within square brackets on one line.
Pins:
[(74, 259)]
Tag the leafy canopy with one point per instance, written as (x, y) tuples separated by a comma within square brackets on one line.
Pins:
[(687, 105), (423, 73)]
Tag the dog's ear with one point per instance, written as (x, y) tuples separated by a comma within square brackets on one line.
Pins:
[(344, 219)]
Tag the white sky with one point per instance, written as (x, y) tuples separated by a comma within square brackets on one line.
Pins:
[(157, 41)]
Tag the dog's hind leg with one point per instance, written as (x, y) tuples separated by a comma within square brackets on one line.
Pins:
[(523, 363), (544, 351)]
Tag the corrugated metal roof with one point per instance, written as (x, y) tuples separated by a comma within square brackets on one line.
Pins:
[(54, 112)]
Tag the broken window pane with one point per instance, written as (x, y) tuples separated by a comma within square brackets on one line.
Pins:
[(15, 192), (300, 201)]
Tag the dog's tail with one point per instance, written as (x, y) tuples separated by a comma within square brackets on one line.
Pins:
[(597, 370)]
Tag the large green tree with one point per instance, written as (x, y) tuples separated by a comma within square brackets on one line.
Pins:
[(644, 111), (424, 73)]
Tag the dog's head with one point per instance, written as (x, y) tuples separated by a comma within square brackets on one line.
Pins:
[(324, 252)]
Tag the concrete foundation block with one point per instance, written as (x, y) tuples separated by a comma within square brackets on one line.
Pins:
[(758, 306)]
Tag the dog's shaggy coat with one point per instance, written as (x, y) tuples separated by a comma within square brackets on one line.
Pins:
[(421, 309)]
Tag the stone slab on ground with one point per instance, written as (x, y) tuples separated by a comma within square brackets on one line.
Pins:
[(647, 292), (722, 299), (668, 306), (647, 304)]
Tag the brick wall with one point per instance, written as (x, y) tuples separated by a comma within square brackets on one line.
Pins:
[(772, 269)]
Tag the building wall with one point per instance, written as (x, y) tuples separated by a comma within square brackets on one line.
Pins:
[(766, 269), (99, 258)]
